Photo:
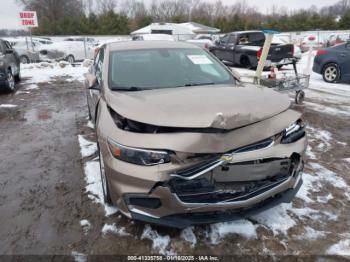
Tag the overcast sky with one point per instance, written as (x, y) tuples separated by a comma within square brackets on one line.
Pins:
[(9, 9)]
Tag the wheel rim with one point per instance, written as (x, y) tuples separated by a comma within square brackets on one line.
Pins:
[(331, 73), (24, 60), (103, 175), (10, 81), (70, 59)]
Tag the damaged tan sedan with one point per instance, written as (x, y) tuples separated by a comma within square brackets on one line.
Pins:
[(182, 142)]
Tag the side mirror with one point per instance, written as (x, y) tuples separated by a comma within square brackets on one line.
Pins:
[(9, 51), (218, 42), (92, 82)]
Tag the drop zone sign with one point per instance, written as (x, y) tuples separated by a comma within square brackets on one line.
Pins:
[(28, 18)]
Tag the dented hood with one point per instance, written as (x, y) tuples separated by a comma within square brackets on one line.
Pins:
[(224, 107)]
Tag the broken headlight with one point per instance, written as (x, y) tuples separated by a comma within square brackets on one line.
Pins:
[(138, 156), (293, 133)]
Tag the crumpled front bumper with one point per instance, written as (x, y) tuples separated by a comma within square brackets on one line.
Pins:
[(268, 176), (194, 213), (189, 219)]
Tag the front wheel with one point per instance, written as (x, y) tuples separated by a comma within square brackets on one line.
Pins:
[(70, 59), (10, 82), (104, 182), (299, 97), (331, 73), (24, 59)]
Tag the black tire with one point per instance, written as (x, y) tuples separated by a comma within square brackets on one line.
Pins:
[(10, 81), (245, 62), (18, 77), (104, 182), (70, 59), (331, 73), (24, 59), (299, 97)]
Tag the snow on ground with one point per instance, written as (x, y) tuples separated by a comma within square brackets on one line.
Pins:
[(241, 227), (159, 243), (342, 248), (44, 72), (94, 187), (87, 148), (188, 235), (7, 106), (79, 257), (85, 225), (113, 229)]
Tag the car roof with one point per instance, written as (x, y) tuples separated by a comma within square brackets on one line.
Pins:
[(134, 45), (245, 32)]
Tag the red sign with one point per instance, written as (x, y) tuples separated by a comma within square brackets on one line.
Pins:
[(28, 18)]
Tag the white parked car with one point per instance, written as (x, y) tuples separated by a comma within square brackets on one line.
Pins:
[(27, 51), (310, 41), (71, 51), (153, 37), (204, 41)]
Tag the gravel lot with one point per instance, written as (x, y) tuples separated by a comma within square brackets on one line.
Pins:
[(50, 197)]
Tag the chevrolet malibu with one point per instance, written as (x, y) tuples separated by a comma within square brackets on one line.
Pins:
[(182, 142)]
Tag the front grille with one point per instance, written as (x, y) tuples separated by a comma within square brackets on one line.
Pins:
[(205, 191), (233, 182)]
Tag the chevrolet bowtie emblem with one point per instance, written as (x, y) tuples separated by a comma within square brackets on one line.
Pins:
[(227, 158)]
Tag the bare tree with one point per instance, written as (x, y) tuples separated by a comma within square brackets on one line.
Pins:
[(105, 6), (54, 9)]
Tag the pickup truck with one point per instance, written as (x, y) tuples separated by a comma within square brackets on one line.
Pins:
[(245, 48)]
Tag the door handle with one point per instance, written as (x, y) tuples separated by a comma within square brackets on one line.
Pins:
[(343, 55)]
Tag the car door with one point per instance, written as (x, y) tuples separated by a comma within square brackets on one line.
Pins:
[(229, 51), (12, 58), (220, 48), (94, 93), (344, 60)]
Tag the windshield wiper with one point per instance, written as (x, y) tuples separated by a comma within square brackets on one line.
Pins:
[(128, 89), (200, 84)]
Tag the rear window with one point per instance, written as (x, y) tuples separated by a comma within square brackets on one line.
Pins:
[(165, 68)]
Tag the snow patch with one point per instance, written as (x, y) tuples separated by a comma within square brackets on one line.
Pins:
[(87, 148), (159, 243), (44, 72), (94, 186), (7, 106), (79, 257), (324, 199), (242, 227), (86, 225), (32, 87), (113, 229), (312, 234), (188, 235), (90, 125), (277, 218), (342, 248)]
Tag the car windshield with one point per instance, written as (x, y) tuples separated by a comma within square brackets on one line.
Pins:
[(136, 70)]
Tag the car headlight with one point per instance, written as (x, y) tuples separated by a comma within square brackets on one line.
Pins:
[(293, 133), (138, 156)]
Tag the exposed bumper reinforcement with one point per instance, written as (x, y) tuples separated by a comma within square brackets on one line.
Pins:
[(184, 220)]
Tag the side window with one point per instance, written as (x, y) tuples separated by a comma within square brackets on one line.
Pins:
[(2, 48), (99, 64), (348, 46), (243, 39), (232, 39), (8, 45), (257, 39), (224, 39)]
